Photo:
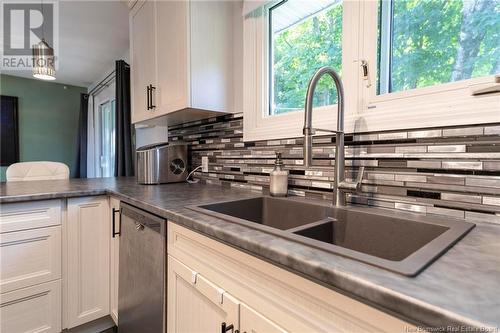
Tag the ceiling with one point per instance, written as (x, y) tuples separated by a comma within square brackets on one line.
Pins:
[(92, 35)]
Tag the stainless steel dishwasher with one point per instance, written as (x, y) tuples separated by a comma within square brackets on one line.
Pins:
[(141, 289)]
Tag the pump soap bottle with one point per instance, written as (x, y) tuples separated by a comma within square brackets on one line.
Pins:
[(279, 179)]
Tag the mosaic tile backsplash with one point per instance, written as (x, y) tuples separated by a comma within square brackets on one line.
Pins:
[(445, 171)]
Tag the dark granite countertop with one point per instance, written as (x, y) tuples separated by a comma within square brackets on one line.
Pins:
[(462, 288)]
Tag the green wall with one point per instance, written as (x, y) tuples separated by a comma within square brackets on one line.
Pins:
[(48, 119)]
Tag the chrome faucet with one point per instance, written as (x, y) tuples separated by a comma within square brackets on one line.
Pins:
[(340, 186)]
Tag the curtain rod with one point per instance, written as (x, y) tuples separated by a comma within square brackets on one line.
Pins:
[(103, 83)]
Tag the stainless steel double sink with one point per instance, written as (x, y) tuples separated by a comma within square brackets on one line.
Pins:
[(401, 242)]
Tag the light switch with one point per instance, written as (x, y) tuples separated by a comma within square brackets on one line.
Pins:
[(204, 163)]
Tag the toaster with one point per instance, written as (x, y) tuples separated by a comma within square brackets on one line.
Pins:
[(162, 163)]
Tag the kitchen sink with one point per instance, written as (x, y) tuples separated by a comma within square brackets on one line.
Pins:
[(268, 211), (401, 242)]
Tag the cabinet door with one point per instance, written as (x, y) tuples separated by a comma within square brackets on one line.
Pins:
[(114, 257), (254, 322), (172, 54), (143, 57), (88, 235), (211, 45), (196, 304)]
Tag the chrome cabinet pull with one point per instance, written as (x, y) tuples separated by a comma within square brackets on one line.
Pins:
[(139, 226)]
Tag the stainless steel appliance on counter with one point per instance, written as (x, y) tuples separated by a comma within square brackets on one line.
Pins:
[(162, 163), (142, 279)]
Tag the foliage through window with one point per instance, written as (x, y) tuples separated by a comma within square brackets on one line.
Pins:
[(429, 42), (304, 36)]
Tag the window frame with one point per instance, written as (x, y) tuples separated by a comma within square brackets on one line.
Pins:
[(447, 104), (258, 124), (106, 95)]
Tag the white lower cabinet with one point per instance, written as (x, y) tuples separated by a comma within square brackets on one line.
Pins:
[(30, 267), (268, 299), (32, 309), (88, 234), (195, 304), (58, 263)]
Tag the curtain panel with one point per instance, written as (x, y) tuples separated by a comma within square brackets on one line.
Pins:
[(124, 156), (81, 160)]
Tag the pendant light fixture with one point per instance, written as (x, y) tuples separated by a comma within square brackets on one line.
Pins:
[(43, 58), (43, 61)]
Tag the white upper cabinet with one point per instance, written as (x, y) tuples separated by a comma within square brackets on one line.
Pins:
[(211, 55), (183, 57), (143, 55)]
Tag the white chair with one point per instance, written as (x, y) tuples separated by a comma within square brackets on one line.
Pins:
[(42, 170)]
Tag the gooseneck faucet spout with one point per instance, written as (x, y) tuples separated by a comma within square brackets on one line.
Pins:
[(340, 186)]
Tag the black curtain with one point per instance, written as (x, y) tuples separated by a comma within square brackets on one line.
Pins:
[(81, 163), (124, 156)]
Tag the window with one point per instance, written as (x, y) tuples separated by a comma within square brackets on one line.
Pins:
[(106, 124), (404, 64), (304, 36), (430, 42)]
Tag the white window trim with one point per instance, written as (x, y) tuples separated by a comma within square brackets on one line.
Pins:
[(443, 105), (257, 125)]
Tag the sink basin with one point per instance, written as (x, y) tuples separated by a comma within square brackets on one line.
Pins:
[(401, 242), (268, 211), (377, 235)]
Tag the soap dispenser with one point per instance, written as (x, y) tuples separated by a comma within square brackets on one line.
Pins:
[(279, 179)]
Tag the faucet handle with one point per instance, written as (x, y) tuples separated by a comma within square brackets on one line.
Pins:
[(359, 178), (353, 186), (327, 131)]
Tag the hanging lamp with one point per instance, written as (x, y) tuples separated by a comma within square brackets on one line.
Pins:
[(43, 57), (43, 61)]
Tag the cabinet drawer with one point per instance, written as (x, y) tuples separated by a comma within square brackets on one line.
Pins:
[(29, 257), (29, 215), (33, 309)]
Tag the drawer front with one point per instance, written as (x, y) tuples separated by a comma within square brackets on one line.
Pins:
[(28, 215), (29, 257), (33, 309)]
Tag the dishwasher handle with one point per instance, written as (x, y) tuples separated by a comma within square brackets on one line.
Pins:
[(143, 219)]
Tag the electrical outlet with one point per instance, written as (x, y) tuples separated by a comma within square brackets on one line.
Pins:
[(204, 164)]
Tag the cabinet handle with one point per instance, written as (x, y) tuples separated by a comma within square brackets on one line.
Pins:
[(139, 226), (151, 89), (225, 328), (114, 222)]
